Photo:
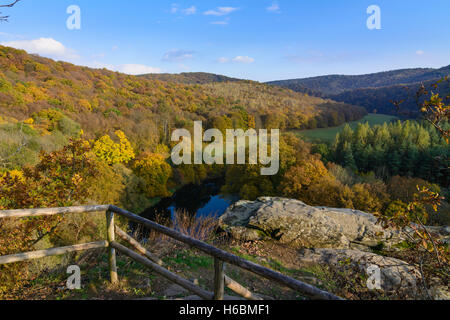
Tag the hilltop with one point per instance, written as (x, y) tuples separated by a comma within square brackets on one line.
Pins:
[(336, 84), (372, 91), (190, 77)]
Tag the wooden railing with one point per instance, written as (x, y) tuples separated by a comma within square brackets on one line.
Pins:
[(149, 260)]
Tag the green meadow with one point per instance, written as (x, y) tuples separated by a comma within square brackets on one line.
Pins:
[(328, 134)]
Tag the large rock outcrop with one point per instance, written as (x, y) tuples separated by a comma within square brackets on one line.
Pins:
[(338, 238), (295, 223), (395, 274)]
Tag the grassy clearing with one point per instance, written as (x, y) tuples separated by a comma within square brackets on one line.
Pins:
[(328, 134)]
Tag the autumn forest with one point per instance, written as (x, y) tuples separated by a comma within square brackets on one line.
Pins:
[(72, 135)]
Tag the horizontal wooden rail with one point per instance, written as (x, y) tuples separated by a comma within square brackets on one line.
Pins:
[(164, 272), (306, 289), (136, 245), (23, 213), (240, 290), (51, 252)]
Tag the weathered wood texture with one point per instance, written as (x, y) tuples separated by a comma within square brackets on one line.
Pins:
[(51, 252), (304, 288), (164, 272), (110, 234), (136, 245), (50, 212), (219, 280), (239, 289)]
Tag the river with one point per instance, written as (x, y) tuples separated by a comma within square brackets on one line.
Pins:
[(201, 200)]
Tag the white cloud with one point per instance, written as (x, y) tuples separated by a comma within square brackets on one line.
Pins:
[(189, 11), (178, 55), (48, 47), (220, 11), (54, 49), (420, 52), (275, 8), (243, 59)]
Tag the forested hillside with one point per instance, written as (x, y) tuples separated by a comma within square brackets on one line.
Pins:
[(102, 101), (335, 84), (190, 77), (45, 104), (381, 100), (375, 91)]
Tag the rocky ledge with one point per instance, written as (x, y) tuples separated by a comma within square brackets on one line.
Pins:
[(328, 236), (295, 223)]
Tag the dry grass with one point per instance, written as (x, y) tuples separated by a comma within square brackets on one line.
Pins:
[(198, 227)]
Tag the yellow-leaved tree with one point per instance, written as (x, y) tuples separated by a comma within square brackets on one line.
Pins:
[(155, 172), (111, 152)]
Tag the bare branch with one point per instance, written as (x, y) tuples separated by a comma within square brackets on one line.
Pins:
[(12, 4), (9, 5)]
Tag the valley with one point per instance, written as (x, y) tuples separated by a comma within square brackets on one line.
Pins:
[(72, 135), (148, 152)]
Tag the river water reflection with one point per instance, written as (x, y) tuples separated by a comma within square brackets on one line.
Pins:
[(200, 200)]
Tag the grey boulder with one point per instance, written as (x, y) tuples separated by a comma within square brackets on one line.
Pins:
[(296, 223)]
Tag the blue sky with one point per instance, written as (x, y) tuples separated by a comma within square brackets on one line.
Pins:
[(253, 39)]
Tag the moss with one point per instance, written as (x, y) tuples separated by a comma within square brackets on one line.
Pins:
[(405, 245)]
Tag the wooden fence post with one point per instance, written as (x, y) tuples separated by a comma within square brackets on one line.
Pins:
[(219, 279), (111, 251)]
